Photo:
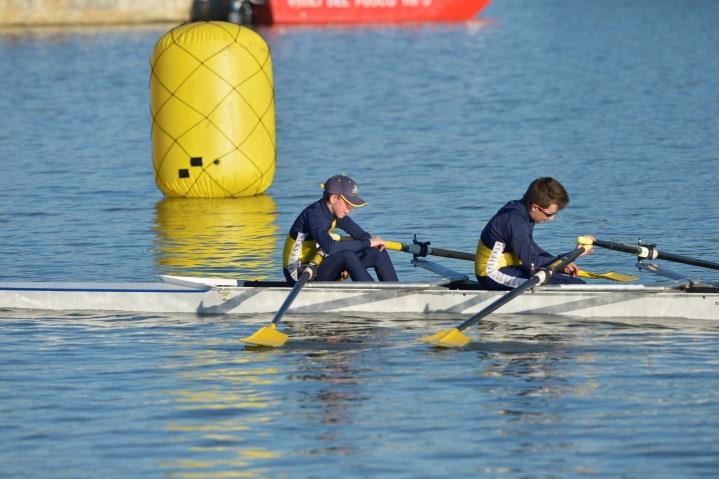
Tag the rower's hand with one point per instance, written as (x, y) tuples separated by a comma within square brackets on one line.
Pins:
[(376, 242), (571, 269)]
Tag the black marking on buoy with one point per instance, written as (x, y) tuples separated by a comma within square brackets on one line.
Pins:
[(196, 161), (183, 173)]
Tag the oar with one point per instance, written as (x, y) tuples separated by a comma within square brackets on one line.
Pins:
[(454, 338), (423, 249), (646, 252), (269, 335)]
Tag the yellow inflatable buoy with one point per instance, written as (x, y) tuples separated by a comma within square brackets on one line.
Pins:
[(213, 113)]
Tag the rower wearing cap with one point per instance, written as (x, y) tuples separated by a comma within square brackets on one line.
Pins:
[(312, 240)]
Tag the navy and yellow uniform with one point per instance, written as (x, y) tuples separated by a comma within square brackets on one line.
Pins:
[(312, 234), (506, 251)]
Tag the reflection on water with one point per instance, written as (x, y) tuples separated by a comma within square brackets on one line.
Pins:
[(334, 380), (220, 413), (233, 404), (220, 236)]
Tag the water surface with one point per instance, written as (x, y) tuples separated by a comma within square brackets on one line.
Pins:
[(440, 124)]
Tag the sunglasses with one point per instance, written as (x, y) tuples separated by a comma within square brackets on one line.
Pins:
[(548, 214)]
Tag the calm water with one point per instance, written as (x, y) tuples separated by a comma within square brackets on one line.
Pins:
[(441, 124)]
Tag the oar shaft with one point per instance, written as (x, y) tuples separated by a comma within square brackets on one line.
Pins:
[(530, 283), (641, 251), (537, 278), (301, 281), (426, 250), (691, 261), (650, 252), (448, 253)]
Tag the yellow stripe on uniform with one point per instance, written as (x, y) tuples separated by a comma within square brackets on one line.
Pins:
[(483, 255), (303, 251)]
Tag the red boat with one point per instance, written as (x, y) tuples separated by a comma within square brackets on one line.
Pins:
[(365, 11)]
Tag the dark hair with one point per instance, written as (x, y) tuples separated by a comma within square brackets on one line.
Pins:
[(545, 191)]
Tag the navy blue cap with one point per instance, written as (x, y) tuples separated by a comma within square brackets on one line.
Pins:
[(345, 187)]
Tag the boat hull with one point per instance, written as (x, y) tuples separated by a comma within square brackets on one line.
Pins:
[(586, 301), (367, 11)]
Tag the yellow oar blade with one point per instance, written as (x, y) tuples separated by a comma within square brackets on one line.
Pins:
[(267, 336), (610, 275), (449, 338)]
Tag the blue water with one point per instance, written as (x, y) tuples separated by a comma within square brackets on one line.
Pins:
[(440, 124)]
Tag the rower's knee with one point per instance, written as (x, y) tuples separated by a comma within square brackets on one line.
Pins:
[(384, 267), (350, 262)]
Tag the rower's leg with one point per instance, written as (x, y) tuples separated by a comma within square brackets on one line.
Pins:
[(332, 266), (485, 282), (381, 262), (504, 279)]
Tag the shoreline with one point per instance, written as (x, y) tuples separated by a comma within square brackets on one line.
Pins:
[(60, 13)]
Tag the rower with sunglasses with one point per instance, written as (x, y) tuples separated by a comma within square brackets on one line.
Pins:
[(507, 254)]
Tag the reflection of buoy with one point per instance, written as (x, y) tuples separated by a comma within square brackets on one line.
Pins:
[(230, 237), (212, 106)]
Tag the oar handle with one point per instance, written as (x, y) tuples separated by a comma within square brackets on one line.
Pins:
[(540, 277), (394, 245), (424, 249), (647, 252), (415, 249)]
